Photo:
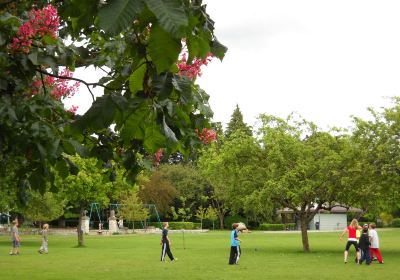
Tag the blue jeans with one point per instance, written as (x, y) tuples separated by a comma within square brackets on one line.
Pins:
[(365, 256)]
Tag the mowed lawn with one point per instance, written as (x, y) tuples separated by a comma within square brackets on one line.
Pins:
[(205, 256)]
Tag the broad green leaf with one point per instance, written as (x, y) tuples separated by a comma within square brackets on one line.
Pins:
[(68, 147), (33, 57), (120, 101), (2, 40), (42, 150), (171, 15), (3, 84), (47, 60), (78, 148), (132, 128), (99, 116), (73, 168), (37, 180), (136, 79), (53, 147), (182, 115), (49, 40), (163, 49), (153, 138), (117, 15), (162, 85), (168, 132), (62, 168), (198, 46), (35, 129), (218, 49), (183, 85), (102, 152)]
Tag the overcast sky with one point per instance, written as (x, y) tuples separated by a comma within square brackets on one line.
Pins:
[(326, 60)]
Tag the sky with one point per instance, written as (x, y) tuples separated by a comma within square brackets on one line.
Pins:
[(325, 60)]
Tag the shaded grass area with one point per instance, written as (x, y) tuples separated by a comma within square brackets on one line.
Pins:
[(264, 256)]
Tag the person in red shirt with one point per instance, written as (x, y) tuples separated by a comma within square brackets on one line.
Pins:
[(352, 239)]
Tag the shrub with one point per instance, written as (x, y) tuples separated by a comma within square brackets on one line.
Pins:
[(209, 224), (291, 226), (272, 227), (197, 225), (396, 222), (387, 219), (140, 225), (229, 220), (181, 225)]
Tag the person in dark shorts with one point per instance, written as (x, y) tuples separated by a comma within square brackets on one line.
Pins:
[(166, 243), (235, 245), (352, 239)]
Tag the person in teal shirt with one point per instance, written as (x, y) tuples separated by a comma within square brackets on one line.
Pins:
[(235, 245)]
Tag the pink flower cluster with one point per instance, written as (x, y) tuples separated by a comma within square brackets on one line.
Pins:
[(206, 135), (193, 69), (41, 23), (157, 157), (59, 88), (73, 109)]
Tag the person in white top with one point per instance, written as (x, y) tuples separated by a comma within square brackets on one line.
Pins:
[(374, 249)]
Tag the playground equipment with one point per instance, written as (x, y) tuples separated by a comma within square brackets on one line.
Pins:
[(96, 210), (95, 207)]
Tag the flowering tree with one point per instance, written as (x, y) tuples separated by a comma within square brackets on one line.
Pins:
[(150, 96)]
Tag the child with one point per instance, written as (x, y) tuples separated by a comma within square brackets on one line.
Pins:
[(15, 238), (45, 236), (374, 243), (364, 246), (352, 239), (165, 242), (235, 245), (358, 235)]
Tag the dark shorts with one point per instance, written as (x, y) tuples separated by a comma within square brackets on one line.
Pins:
[(15, 243), (349, 243)]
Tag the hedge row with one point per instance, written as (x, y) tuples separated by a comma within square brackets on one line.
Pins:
[(181, 225), (277, 226), (396, 222)]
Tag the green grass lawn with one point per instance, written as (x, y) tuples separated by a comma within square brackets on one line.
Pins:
[(264, 256)]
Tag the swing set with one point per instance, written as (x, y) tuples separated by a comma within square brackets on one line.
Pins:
[(96, 210)]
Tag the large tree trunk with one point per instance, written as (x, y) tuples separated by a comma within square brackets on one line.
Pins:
[(80, 228), (221, 219), (61, 222), (304, 233)]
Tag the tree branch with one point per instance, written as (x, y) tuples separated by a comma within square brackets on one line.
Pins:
[(67, 78), (88, 85), (43, 85)]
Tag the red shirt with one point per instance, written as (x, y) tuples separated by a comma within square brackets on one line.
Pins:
[(352, 232)]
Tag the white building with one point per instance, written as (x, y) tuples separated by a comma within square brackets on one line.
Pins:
[(335, 219)]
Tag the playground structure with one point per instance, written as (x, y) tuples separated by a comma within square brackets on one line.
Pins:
[(113, 226)]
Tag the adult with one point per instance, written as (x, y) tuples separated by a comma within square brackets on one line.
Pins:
[(351, 240)]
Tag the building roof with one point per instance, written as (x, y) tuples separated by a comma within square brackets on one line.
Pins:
[(334, 210)]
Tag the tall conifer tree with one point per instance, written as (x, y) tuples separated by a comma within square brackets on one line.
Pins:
[(236, 123)]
